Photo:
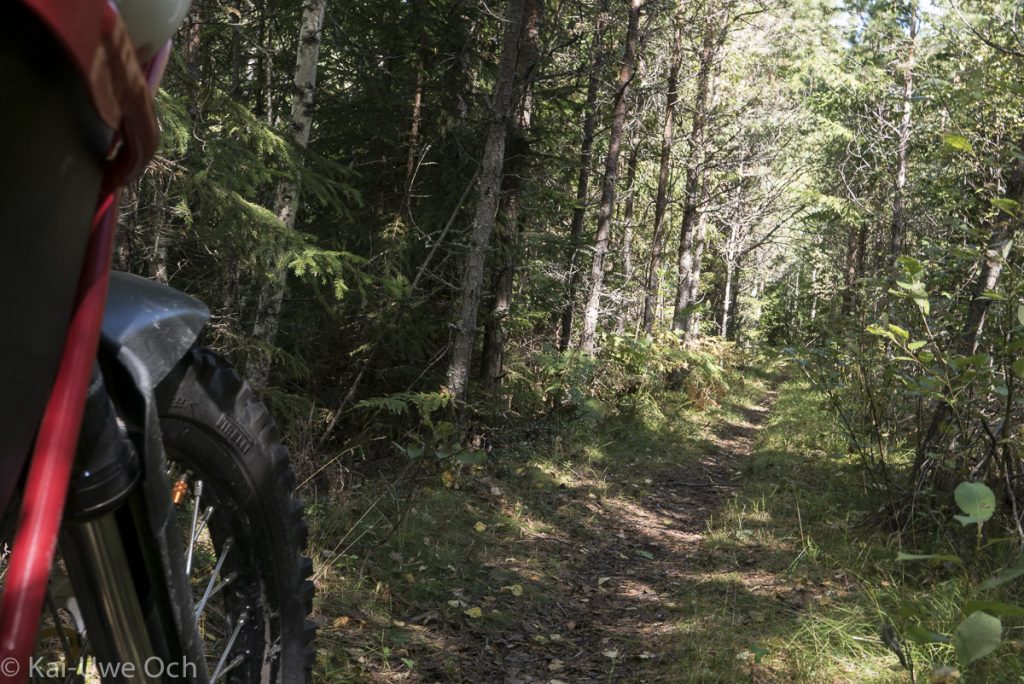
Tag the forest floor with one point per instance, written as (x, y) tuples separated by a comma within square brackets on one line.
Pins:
[(721, 545)]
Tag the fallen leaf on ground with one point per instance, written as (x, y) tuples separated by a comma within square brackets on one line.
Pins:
[(514, 589), (602, 580), (479, 527), (556, 665), (474, 612), (610, 654)]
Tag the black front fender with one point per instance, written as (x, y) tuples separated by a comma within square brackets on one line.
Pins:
[(148, 327)]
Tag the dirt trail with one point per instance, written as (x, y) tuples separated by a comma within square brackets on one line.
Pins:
[(606, 609)]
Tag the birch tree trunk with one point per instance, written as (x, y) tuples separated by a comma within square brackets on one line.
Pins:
[(414, 131), (691, 319), (579, 211), (730, 270), (588, 336), (491, 168), (286, 204), (158, 219), (653, 284), (898, 210)]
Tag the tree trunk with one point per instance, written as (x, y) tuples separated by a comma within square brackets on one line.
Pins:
[(852, 271), (158, 220), (286, 205), (492, 366), (628, 215), (579, 211), (710, 43), (813, 292), (629, 207), (414, 130), (491, 168), (193, 41), (653, 284), (730, 259), (588, 336), (898, 211), (691, 319)]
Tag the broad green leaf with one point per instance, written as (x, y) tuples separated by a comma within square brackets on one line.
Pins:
[(1018, 367), (914, 346), (915, 288), (994, 608), (899, 332), (957, 143), (881, 332), (1020, 314), (976, 500), (976, 637), (1009, 206), (912, 266), (1010, 573)]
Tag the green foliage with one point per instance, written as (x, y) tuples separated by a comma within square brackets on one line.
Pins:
[(980, 632)]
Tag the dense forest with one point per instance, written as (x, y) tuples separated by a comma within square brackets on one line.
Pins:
[(622, 340)]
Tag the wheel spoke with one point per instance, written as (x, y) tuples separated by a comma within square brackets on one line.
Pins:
[(220, 669), (210, 588), (235, 662), (195, 523)]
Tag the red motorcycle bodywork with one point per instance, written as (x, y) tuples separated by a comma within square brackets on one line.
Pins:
[(96, 129)]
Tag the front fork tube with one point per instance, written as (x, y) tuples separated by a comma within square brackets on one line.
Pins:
[(105, 591), (108, 554)]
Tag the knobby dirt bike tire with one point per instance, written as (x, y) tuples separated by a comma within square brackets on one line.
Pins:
[(214, 425)]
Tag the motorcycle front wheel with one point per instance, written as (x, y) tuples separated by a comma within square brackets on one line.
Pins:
[(243, 528)]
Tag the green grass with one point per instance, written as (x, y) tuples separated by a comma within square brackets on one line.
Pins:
[(826, 565), (790, 582)]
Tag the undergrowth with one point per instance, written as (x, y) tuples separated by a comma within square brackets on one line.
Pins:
[(827, 581), (419, 543), (432, 567)]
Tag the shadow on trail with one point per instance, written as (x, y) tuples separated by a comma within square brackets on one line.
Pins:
[(614, 573)]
